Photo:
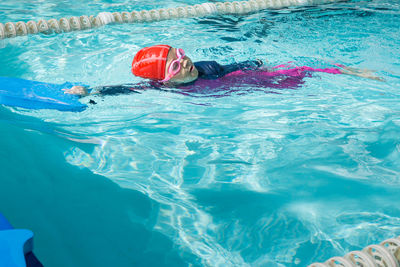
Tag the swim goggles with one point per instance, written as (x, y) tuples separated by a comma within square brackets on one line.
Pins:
[(175, 65)]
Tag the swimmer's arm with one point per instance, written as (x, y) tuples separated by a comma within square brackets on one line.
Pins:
[(105, 90), (245, 65), (364, 73)]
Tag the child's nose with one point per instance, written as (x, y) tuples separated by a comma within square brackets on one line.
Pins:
[(184, 62)]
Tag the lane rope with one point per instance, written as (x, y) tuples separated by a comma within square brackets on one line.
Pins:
[(385, 254), (20, 28)]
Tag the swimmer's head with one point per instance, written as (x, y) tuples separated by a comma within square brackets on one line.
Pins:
[(150, 62), (165, 64), (179, 67)]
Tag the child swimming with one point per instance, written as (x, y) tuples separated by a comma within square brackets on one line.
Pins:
[(166, 66)]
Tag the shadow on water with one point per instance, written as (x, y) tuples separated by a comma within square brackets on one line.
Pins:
[(233, 28), (79, 218), (258, 25)]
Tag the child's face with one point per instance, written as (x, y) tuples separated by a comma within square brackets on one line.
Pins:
[(186, 74)]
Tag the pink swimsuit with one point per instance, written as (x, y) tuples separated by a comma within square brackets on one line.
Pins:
[(285, 76)]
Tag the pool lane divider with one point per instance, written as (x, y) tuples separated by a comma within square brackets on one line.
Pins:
[(11, 29), (386, 254)]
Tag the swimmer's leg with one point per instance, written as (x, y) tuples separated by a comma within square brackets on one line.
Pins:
[(364, 73)]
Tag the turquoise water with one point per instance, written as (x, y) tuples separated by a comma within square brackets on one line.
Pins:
[(253, 178)]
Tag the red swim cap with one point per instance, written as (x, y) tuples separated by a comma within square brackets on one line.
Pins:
[(150, 62)]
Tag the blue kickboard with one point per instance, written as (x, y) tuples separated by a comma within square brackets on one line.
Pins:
[(16, 246), (38, 95), (4, 224)]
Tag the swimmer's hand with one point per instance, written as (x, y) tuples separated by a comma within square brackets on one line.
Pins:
[(364, 73), (76, 90)]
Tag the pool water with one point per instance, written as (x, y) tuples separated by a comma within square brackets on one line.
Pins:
[(252, 177)]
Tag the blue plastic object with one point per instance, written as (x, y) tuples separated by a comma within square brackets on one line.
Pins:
[(37, 95), (16, 246), (4, 224)]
